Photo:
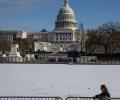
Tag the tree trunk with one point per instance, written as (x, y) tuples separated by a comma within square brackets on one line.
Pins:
[(106, 49)]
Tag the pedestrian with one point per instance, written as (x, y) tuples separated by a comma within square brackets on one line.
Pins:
[(104, 95)]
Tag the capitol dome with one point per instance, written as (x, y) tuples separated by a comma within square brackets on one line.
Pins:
[(66, 18)]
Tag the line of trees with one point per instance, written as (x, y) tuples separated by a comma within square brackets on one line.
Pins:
[(24, 44), (105, 39), (5, 45)]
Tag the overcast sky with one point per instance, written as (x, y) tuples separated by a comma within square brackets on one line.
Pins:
[(33, 15)]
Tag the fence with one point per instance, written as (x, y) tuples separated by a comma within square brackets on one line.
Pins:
[(47, 98), (23, 60), (86, 98), (15, 60), (53, 61), (28, 98), (101, 62)]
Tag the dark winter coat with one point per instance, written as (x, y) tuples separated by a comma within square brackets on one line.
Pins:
[(103, 96)]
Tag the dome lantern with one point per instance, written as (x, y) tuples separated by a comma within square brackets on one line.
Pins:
[(66, 3)]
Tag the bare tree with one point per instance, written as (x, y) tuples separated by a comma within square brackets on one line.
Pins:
[(110, 35), (93, 40), (106, 38), (5, 45), (26, 44)]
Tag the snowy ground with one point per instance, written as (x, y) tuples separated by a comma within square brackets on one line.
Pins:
[(58, 80)]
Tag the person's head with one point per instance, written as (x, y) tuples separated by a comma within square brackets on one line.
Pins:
[(104, 88)]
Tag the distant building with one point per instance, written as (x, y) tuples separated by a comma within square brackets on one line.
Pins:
[(7, 35), (42, 46), (63, 37), (10, 35), (21, 34), (65, 28)]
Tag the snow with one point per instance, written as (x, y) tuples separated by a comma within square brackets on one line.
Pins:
[(58, 80)]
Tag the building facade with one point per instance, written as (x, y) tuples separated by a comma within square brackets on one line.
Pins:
[(10, 35), (65, 25), (64, 35)]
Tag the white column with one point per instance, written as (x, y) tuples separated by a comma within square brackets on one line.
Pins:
[(66, 36), (62, 36), (58, 37), (54, 36)]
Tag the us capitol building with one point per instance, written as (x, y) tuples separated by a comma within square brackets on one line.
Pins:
[(64, 36)]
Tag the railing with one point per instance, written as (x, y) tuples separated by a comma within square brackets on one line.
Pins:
[(86, 98), (28, 98), (100, 62), (103, 62), (79, 98), (47, 98), (53, 61), (32, 61)]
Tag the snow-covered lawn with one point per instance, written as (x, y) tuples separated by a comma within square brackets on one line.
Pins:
[(58, 80)]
